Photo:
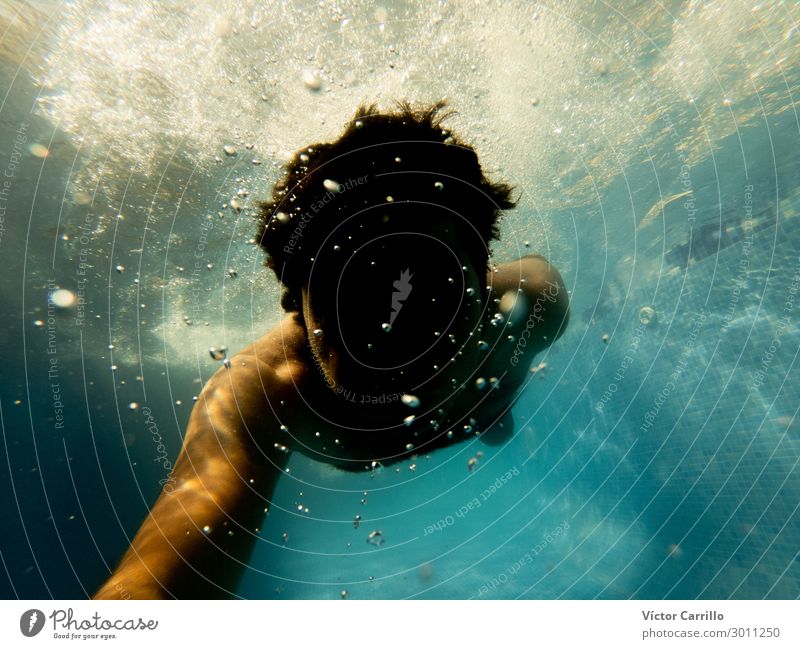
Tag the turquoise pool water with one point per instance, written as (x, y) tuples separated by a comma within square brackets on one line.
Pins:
[(655, 148)]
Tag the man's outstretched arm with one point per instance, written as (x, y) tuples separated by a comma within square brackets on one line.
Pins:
[(198, 536)]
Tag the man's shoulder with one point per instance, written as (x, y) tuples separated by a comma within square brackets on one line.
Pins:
[(280, 355)]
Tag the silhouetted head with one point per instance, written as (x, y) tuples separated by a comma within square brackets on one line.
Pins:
[(381, 240)]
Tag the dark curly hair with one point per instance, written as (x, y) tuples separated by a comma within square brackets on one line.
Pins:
[(381, 157)]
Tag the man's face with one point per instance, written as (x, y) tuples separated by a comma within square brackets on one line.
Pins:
[(396, 310)]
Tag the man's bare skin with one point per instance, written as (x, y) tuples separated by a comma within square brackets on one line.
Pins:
[(274, 400)]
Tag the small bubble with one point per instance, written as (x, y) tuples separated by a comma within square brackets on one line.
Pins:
[(356, 520), (331, 185), (386, 327), (311, 80), (375, 537), (483, 345), (605, 338), (359, 123), (409, 420), (438, 185), (217, 354), (38, 323), (229, 150), (389, 199), (471, 463), (133, 405), (63, 298), (344, 594), (207, 529), (120, 268), (409, 446), (470, 292), (410, 400), (317, 332), (39, 150), (480, 383), (647, 315), (397, 159)]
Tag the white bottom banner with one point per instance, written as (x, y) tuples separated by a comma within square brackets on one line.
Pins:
[(401, 624)]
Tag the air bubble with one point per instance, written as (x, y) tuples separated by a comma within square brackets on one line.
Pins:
[(410, 400), (311, 80), (63, 298), (647, 315), (218, 354), (375, 537)]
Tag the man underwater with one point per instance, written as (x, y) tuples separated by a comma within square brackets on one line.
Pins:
[(398, 339)]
